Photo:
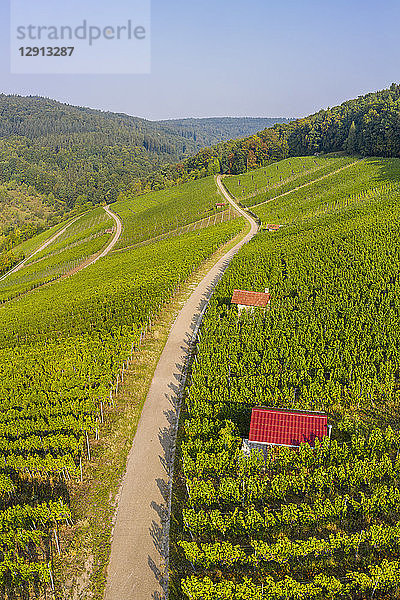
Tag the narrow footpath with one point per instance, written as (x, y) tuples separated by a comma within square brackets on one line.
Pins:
[(139, 549)]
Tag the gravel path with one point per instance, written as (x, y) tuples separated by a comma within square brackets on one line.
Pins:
[(110, 246), (139, 550)]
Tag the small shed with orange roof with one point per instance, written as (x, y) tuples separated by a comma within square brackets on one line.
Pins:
[(271, 227), (246, 300)]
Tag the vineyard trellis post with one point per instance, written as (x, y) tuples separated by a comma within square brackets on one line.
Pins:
[(87, 445), (375, 586)]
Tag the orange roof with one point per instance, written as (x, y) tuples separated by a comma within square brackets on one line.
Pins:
[(260, 299), (271, 226)]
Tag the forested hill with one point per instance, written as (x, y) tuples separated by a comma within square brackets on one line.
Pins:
[(55, 157), (34, 117), (78, 154), (73, 155), (368, 125), (210, 131)]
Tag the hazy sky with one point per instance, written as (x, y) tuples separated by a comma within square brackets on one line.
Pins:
[(238, 58)]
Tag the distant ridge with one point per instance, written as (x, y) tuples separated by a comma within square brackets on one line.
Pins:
[(76, 152), (212, 130)]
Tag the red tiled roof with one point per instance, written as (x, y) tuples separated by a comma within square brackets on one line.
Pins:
[(251, 298), (271, 226), (287, 427)]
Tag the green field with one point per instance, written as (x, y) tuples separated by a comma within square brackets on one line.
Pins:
[(315, 523), (146, 217), (333, 192), (28, 246), (62, 347)]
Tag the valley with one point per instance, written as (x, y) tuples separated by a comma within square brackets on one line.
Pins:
[(129, 374)]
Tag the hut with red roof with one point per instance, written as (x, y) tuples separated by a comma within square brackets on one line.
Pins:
[(272, 227), (284, 427), (246, 300)]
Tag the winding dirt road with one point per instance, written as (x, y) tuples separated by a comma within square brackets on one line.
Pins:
[(110, 246), (139, 550)]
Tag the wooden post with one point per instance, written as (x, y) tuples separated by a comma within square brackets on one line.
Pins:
[(87, 446), (57, 544), (51, 578)]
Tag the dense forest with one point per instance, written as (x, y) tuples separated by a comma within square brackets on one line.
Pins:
[(368, 125), (207, 132), (79, 154)]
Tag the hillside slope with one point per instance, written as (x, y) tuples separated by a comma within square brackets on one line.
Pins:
[(63, 342), (78, 153), (73, 152), (54, 157)]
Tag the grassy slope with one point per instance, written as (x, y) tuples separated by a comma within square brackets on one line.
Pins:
[(79, 329), (260, 185), (144, 217), (62, 325), (66, 305), (28, 246), (345, 186)]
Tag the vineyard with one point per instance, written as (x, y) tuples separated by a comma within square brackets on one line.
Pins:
[(320, 523), (283, 176), (360, 181), (151, 215), (63, 352), (82, 239)]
